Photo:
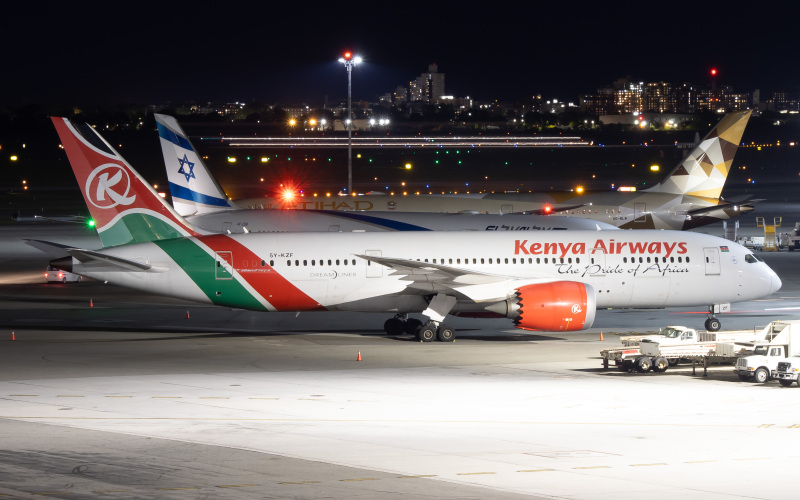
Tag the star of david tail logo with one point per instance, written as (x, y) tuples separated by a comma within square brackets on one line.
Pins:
[(187, 168)]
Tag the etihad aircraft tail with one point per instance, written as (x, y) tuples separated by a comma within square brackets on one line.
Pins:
[(704, 170), (124, 207), (193, 189)]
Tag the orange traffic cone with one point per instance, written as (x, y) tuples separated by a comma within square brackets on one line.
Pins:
[(601, 335), (12, 335), (91, 304), (359, 356)]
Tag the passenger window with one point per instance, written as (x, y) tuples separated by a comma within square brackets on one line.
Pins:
[(271, 263), (288, 262), (263, 263)]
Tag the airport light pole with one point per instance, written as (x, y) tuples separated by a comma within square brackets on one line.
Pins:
[(349, 60)]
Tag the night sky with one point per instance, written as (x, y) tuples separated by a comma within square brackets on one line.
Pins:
[(153, 53)]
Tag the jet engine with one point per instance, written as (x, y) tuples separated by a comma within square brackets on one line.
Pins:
[(559, 306)]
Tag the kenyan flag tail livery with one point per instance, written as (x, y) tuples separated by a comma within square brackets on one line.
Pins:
[(546, 280), (125, 208)]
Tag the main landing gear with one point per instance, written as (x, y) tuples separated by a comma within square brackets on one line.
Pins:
[(425, 332)]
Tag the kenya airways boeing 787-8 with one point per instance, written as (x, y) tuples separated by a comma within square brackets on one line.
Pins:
[(552, 281), (690, 196)]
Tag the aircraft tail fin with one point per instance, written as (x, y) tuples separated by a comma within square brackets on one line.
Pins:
[(704, 170), (125, 208), (193, 189)]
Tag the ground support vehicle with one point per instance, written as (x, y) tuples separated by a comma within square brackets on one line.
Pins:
[(766, 355), (674, 343), (55, 275), (788, 371), (791, 239)]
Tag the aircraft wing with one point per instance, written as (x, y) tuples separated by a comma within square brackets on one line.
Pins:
[(439, 278), (705, 211)]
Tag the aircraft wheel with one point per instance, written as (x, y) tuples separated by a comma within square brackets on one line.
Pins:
[(394, 326), (761, 375), (411, 325), (445, 333), (660, 365), (713, 324), (786, 383), (426, 333), (643, 364)]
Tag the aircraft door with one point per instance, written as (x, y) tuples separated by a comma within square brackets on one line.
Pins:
[(374, 270), (639, 212), (223, 266), (711, 255), (597, 263)]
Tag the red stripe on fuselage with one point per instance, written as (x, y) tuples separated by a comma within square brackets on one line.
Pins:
[(281, 293)]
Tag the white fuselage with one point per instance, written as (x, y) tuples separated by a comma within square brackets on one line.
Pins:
[(303, 271)]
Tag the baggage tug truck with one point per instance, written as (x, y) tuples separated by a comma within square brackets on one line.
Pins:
[(761, 365), (674, 343)]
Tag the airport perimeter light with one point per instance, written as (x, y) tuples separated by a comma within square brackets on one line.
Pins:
[(349, 60)]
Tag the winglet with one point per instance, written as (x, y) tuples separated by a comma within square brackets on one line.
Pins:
[(704, 170), (193, 189), (125, 208)]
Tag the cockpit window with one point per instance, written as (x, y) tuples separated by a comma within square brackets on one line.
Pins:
[(751, 258)]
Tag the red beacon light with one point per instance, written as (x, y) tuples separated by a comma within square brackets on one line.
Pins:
[(548, 210), (713, 71)]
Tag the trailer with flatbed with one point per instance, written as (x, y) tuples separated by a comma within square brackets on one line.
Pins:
[(674, 344)]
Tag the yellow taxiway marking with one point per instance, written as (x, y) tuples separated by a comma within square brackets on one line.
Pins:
[(795, 426), (416, 477)]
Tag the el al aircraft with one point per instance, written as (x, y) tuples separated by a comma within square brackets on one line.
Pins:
[(689, 197), (198, 197), (547, 280)]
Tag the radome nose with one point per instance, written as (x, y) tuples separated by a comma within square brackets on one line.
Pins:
[(775, 284)]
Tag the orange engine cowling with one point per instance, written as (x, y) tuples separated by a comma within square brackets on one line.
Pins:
[(560, 306)]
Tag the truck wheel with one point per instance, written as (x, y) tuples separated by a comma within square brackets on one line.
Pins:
[(660, 365), (761, 375), (786, 383), (643, 364)]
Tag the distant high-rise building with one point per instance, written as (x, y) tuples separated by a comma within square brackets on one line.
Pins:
[(427, 87)]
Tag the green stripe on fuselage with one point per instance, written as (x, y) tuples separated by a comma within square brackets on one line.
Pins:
[(135, 227), (200, 266)]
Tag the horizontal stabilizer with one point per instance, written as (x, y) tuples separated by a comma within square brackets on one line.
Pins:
[(52, 249), (110, 262)]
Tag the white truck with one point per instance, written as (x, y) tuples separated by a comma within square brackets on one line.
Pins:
[(788, 371), (791, 239), (765, 358), (673, 343)]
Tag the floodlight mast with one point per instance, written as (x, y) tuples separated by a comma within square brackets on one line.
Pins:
[(349, 60)]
